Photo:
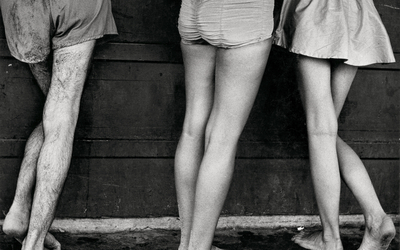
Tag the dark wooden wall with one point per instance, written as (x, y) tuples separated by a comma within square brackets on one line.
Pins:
[(132, 112)]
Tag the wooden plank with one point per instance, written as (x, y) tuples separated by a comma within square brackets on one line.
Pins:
[(73, 201), (146, 101), (131, 188), (154, 110), (126, 52), (139, 52), (389, 11), (100, 70), (166, 149), (125, 188), (167, 53), (145, 188), (260, 187), (148, 22), (284, 186)]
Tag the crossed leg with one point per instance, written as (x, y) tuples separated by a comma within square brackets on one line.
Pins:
[(315, 87), (379, 227), (59, 121), (206, 172), (379, 230), (17, 219)]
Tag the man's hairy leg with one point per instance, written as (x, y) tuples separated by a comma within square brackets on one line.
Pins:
[(17, 219), (60, 115)]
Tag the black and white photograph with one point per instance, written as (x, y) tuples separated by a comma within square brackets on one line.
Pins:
[(199, 124)]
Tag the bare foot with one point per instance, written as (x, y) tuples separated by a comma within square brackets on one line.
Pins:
[(17, 221), (16, 225), (378, 234), (50, 243), (314, 241)]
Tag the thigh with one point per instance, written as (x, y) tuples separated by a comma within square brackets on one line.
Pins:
[(70, 66), (42, 73), (342, 79), (314, 77), (238, 75), (199, 63)]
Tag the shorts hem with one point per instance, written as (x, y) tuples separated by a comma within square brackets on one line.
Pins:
[(64, 45), (224, 46), (345, 59), (28, 61)]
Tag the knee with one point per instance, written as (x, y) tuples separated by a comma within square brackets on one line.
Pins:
[(218, 137), (58, 122), (194, 126)]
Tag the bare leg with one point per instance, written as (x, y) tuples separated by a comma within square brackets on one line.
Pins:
[(315, 86), (379, 227), (59, 121), (199, 62), (17, 219), (237, 78)]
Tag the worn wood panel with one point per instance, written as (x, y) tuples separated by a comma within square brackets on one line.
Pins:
[(145, 101), (145, 188), (165, 53), (112, 148), (73, 202), (284, 187), (146, 96), (389, 11), (132, 188)]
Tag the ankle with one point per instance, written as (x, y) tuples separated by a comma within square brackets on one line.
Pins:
[(23, 205), (374, 220), (35, 238), (331, 237)]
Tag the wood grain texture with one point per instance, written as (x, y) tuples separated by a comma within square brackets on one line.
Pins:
[(133, 187), (139, 52), (145, 101)]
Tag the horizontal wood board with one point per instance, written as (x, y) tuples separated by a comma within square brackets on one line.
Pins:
[(108, 187)]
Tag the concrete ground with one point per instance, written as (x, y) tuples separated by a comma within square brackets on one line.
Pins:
[(271, 239)]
